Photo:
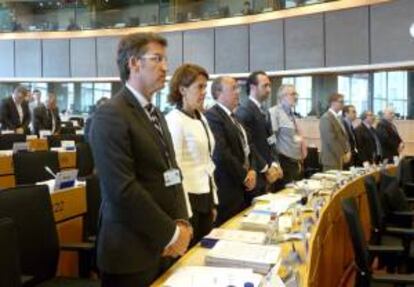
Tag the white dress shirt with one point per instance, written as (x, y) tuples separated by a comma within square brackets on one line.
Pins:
[(144, 102)]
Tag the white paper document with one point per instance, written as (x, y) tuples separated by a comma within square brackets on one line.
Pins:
[(260, 258), (237, 235), (204, 276)]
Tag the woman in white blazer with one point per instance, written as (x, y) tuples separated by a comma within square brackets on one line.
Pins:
[(194, 145)]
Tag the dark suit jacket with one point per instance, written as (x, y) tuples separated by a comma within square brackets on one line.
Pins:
[(366, 143), (390, 139), (138, 211), (43, 121), (259, 130), (10, 117), (228, 157), (350, 131)]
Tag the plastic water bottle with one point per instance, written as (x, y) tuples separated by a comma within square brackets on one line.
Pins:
[(272, 228)]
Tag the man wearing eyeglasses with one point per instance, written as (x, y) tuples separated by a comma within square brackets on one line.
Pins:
[(335, 148), (143, 216)]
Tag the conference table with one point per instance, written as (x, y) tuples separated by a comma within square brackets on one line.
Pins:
[(329, 256)]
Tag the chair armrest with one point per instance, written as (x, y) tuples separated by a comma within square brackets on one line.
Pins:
[(409, 213), (398, 231), (26, 278), (393, 278), (409, 189), (77, 246), (92, 238), (381, 249), (410, 199)]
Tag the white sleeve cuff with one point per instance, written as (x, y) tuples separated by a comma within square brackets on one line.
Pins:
[(265, 169), (175, 237)]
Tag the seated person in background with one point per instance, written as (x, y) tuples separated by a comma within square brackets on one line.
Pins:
[(47, 117), (14, 112), (369, 146), (88, 122), (194, 144)]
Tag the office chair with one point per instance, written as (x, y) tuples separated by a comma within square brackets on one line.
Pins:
[(311, 163), (55, 140), (29, 167), (406, 175), (67, 130), (10, 274), (84, 160), (364, 253), (30, 207), (7, 140)]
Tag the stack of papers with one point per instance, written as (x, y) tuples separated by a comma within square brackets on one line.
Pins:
[(203, 276), (237, 235), (327, 176), (259, 221), (311, 184), (275, 203), (260, 258)]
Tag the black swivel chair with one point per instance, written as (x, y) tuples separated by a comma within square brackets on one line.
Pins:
[(10, 274), (311, 163), (84, 160), (55, 140), (364, 254), (67, 131), (30, 208), (406, 175), (29, 167), (7, 140)]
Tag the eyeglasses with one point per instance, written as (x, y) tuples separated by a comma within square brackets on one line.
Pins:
[(155, 57)]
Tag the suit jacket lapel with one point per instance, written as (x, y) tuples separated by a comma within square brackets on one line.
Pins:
[(228, 122), (140, 113)]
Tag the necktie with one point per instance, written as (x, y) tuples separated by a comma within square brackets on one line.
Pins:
[(157, 125), (243, 139)]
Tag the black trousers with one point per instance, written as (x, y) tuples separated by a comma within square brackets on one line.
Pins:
[(140, 279), (292, 170), (202, 220)]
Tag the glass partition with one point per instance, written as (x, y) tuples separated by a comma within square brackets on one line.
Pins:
[(63, 15)]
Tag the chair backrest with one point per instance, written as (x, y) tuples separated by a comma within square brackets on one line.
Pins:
[(29, 167), (7, 140), (55, 140), (30, 207), (406, 170), (93, 201), (84, 159), (9, 259), (377, 214), (394, 197), (67, 130), (362, 261)]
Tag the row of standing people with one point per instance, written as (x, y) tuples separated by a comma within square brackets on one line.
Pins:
[(343, 145), (24, 113), (166, 181)]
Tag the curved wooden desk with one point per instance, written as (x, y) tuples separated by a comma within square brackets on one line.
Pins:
[(330, 256)]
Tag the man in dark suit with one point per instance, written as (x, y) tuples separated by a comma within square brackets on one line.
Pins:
[(257, 124), (335, 149), (47, 117), (15, 114), (391, 142), (235, 168), (369, 146), (348, 117), (143, 215)]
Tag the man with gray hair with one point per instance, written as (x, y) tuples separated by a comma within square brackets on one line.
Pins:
[(391, 142), (367, 139), (289, 140)]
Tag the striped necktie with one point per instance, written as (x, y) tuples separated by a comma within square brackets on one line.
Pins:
[(157, 125)]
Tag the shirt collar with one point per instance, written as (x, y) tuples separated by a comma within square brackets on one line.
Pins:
[(368, 126), (224, 108), (15, 102), (336, 114), (140, 98), (256, 102)]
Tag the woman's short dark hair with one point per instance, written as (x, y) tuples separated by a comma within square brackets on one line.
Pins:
[(184, 76), (134, 45)]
